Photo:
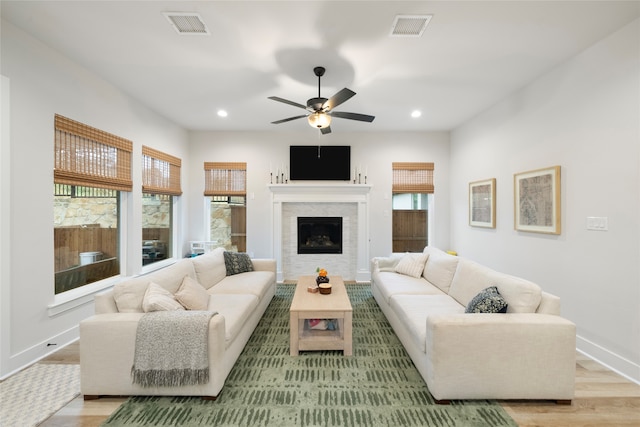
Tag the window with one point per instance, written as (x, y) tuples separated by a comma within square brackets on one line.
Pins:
[(226, 188), (160, 186), (412, 195), (91, 169)]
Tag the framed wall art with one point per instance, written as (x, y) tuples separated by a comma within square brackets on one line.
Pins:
[(537, 200), (482, 203)]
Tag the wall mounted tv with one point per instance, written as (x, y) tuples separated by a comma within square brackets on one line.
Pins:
[(320, 163)]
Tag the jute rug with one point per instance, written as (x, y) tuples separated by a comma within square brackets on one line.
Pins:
[(31, 396), (377, 386)]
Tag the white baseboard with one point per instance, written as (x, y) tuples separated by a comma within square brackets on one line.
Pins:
[(39, 351), (615, 362)]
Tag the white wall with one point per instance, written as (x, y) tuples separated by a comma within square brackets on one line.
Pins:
[(374, 151), (585, 117), (43, 83)]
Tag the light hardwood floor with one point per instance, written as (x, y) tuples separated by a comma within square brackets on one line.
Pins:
[(602, 399)]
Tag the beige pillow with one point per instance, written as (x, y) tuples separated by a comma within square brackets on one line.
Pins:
[(192, 295), (158, 298), (412, 264)]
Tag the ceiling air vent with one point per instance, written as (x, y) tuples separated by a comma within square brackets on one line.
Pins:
[(187, 23), (409, 25)]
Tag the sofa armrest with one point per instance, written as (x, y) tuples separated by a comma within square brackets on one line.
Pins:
[(501, 352), (105, 303), (107, 349), (387, 263), (264, 264), (549, 304)]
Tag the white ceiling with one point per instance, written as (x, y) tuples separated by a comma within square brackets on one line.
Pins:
[(472, 55)]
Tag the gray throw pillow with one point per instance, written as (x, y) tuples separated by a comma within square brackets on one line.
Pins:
[(488, 300), (237, 262)]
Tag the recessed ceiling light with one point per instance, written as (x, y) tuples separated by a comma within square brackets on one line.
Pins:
[(222, 113), (416, 113)]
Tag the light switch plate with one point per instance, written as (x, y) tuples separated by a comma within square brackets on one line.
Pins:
[(599, 223)]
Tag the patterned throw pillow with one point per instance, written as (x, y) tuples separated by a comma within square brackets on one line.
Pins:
[(237, 262), (488, 300)]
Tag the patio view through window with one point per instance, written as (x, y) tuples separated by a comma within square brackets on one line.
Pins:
[(85, 235), (412, 192)]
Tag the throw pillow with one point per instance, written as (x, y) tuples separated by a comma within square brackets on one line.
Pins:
[(237, 262), (412, 264), (192, 295), (157, 298), (488, 300)]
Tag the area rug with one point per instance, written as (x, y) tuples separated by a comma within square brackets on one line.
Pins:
[(33, 395), (377, 386)]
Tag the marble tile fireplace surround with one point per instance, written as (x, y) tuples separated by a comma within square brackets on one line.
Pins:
[(345, 200)]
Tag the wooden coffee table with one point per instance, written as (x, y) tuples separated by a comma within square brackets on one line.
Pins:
[(307, 305)]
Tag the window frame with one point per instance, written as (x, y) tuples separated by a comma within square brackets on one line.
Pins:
[(77, 161), (161, 163)]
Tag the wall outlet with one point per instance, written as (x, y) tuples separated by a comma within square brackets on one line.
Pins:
[(599, 223)]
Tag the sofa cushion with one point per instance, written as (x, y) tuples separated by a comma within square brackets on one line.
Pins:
[(171, 277), (210, 268), (522, 295), (440, 268), (412, 264), (413, 310), (254, 282), (488, 300), (129, 294), (192, 295), (237, 262), (236, 309), (391, 284), (157, 298)]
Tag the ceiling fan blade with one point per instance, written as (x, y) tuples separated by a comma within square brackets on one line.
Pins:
[(326, 130), (288, 119), (352, 116), (338, 99), (286, 101)]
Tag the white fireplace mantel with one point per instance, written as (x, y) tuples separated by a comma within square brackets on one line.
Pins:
[(323, 193)]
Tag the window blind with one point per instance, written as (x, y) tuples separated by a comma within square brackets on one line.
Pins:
[(411, 177), (87, 156), (225, 179), (160, 172)]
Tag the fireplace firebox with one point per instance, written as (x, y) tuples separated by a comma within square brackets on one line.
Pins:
[(319, 235)]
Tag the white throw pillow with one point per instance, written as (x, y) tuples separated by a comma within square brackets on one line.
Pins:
[(412, 264), (192, 295), (158, 298)]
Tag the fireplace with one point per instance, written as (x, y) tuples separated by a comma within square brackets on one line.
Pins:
[(319, 235)]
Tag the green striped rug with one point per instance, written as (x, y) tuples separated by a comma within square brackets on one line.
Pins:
[(377, 386)]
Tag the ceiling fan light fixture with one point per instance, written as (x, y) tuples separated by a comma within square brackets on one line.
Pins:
[(319, 120)]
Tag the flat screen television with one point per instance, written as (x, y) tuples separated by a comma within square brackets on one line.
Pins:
[(320, 163)]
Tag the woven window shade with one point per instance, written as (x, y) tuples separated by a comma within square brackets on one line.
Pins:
[(413, 178), (89, 157), (160, 172), (225, 179)]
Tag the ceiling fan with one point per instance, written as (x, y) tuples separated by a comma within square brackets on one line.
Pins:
[(320, 110)]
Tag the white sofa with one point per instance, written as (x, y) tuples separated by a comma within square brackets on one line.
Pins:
[(107, 339), (526, 353)]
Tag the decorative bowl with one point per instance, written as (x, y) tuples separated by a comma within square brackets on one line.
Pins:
[(325, 288)]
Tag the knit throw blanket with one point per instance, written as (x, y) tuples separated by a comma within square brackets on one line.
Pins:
[(172, 349)]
